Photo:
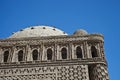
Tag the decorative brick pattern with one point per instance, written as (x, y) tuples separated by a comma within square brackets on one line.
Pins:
[(72, 72), (87, 67), (100, 72)]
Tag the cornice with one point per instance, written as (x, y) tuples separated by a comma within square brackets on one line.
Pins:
[(54, 39), (53, 63)]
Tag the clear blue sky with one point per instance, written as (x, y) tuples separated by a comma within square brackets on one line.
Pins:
[(101, 16)]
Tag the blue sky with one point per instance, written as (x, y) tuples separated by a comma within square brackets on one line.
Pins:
[(95, 16)]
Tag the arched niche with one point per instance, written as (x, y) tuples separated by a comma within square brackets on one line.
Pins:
[(94, 52), (35, 54), (49, 54), (64, 53), (20, 55), (6, 55), (79, 52)]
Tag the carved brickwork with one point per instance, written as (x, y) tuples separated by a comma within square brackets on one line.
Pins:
[(99, 72), (53, 58), (44, 76), (72, 72)]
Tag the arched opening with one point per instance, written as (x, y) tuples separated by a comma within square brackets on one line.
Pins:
[(49, 54), (6, 55), (79, 52), (64, 53), (94, 52), (35, 54), (20, 55)]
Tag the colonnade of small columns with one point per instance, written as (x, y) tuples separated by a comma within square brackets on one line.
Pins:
[(49, 52)]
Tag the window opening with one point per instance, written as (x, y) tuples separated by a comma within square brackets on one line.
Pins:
[(49, 54), (94, 52), (6, 55), (64, 53), (79, 52), (20, 55), (35, 54)]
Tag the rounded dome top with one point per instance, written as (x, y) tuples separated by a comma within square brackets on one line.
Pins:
[(38, 31), (80, 32)]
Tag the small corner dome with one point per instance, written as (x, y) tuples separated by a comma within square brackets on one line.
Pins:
[(80, 32), (38, 31)]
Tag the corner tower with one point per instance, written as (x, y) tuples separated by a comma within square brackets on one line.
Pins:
[(47, 53)]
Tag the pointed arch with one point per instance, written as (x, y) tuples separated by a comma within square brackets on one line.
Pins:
[(6, 55), (79, 52), (64, 53), (49, 54), (35, 54), (20, 55), (94, 51)]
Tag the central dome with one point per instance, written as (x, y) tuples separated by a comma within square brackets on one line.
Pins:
[(38, 31)]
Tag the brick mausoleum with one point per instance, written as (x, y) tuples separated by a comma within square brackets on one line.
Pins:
[(47, 53)]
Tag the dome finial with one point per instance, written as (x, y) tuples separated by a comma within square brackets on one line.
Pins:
[(80, 32)]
